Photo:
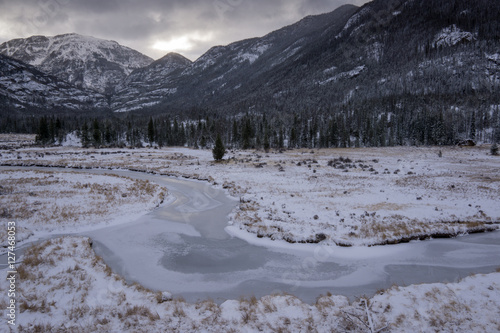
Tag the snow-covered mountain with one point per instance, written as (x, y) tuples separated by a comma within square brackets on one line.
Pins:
[(149, 85), (396, 52), (23, 86), (229, 70), (402, 49), (85, 62)]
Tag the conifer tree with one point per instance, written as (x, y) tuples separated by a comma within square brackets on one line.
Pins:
[(43, 131), (84, 135), (494, 149), (219, 150), (97, 133), (151, 131), (266, 144)]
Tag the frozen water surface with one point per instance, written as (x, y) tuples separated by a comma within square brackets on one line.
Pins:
[(185, 248)]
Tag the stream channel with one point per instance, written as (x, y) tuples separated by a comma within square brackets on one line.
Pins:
[(186, 247)]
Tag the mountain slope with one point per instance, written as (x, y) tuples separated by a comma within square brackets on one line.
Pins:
[(237, 67), (85, 62), (396, 48), (404, 50), (444, 51), (23, 86), (149, 85)]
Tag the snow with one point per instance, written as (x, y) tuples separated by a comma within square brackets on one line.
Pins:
[(135, 106), (72, 140), (49, 53), (344, 75), (206, 60), (356, 18), (451, 36), (493, 57), (375, 51), (289, 52), (21, 86), (253, 54), (76, 290), (330, 70)]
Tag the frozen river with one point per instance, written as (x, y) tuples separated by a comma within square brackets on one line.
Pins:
[(186, 248)]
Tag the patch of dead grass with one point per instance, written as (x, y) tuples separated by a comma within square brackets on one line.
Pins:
[(46, 197)]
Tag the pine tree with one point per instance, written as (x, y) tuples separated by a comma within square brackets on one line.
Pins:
[(267, 145), (84, 135), (97, 133), (246, 134), (108, 137), (472, 133), (281, 139), (494, 149), (219, 150), (151, 131), (43, 131), (236, 136)]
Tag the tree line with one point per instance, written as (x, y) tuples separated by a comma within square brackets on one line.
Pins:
[(364, 126)]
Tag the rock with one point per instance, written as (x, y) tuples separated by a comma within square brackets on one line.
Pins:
[(164, 297), (320, 237)]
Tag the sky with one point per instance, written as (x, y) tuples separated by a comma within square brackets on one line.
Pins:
[(157, 27)]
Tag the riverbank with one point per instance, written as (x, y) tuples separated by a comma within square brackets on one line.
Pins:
[(45, 202)]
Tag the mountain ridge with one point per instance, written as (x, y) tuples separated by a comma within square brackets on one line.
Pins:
[(326, 62), (24, 86), (84, 61)]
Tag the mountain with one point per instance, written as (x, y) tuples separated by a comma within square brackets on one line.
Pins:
[(85, 62), (234, 70), (445, 52), (149, 85), (23, 86), (386, 58)]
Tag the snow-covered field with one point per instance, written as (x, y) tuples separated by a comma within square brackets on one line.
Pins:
[(64, 287), (347, 197), (337, 196), (8, 141)]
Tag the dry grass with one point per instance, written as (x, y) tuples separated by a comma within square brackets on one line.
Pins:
[(141, 311), (34, 256), (384, 206), (46, 198)]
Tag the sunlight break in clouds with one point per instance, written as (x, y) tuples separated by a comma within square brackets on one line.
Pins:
[(183, 43)]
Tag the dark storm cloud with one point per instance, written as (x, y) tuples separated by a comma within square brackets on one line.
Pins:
[(97, 6), (155, 27)]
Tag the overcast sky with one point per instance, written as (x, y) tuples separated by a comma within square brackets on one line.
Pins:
[(156, 27)]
